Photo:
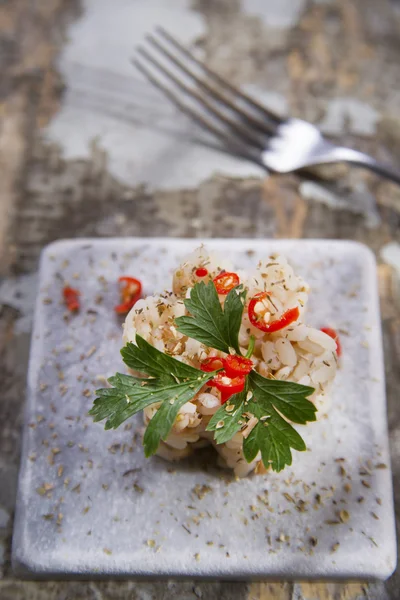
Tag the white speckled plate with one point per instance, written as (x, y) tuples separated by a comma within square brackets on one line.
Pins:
[(90, 504)]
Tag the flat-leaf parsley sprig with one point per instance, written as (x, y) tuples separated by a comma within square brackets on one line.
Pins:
[(210, 324), (170, 383)]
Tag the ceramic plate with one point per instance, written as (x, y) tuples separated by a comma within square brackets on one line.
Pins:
[(89, 503)]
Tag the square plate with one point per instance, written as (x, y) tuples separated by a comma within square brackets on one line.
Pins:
[(89, 503)]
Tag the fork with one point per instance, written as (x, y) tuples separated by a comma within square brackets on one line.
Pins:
[(244, 126)]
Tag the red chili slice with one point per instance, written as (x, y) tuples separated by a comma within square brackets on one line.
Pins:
[(228, 386), (130, 294), (71, 298), (212, 363), (201, 272), (335, 336), (237, 365), (225, 282), (288, 316)]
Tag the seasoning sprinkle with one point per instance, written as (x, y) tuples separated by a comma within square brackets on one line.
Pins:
[(91, 351), (344, 516), (288, 497), (201, 490)]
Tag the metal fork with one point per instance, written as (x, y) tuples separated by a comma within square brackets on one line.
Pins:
[(243, 125)]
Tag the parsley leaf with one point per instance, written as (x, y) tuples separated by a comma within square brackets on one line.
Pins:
[(287, 397), (171, 384), (209, 323), (227, 421), (144, 358), (273, 435), (172, 399)]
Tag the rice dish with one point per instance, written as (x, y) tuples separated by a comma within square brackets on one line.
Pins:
[(296, 352)]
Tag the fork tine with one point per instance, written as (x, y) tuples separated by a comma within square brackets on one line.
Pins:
[(257, 124), (242, 131), (276, 121), (231, 142)]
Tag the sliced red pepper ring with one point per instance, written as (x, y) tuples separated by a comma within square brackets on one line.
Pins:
[(284, 320), (201, 272), (335, 336), (130, 294), (225, 282), (228, 386), (212, 363), (71, 298), (237, 365)]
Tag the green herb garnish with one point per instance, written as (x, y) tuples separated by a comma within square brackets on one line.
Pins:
[(171, 383), (273, 435), (210, 324), (228, 419)]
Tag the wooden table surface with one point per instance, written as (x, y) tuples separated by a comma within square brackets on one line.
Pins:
[(335, 62)]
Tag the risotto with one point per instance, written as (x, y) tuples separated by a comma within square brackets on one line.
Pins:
[(273, 319)]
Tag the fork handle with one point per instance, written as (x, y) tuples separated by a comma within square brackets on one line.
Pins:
[(339, 154)]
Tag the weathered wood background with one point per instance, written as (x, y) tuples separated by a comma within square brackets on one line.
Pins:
[(333, 50)]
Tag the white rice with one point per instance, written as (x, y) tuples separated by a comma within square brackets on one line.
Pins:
[(296, 353)]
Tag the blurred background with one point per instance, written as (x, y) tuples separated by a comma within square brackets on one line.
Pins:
[(89, 148)]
